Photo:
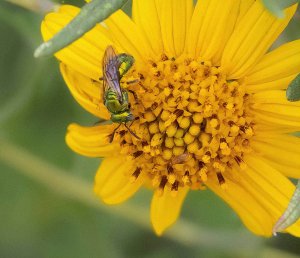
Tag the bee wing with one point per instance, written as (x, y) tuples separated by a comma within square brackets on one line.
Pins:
[(111, 76)]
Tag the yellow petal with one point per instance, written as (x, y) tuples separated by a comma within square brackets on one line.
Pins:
[(270, 188), (273, 97), (84, 90), (113, 181), (279, 151), (129, 36), (259, 195), (145, 15), (288, 171), (273, 128), (175, 16), (271, 119), (291, 112), (85, 54), (211, 26), (245, 5), (280, 63), (165, 208), (92, 141), (253, 215), (280, 84), (252, 37)]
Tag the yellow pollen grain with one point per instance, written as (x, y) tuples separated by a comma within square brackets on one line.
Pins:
[(214, 123), (177, 150), (249, 131), (171, 130), (179, 133), (171, 178), (203, 175), (194, 106), (165, 115), (161, 126), (229, 106), (193, 147), (149, 117), (223, 145), (156, 140), (156, 181), (205, 138), (203, 92), (167, 92), (234, 129), (184, 122), (178, 141), (188, 138), (169, 142), (194, 130), (176, 76), (185, 94), (198, 118), (153, 128), (226, 152), (206, 158), (167, 154), (186, 179)]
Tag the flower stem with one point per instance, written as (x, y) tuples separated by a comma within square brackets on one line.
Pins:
[(39, 6), (89, 15), (68, 186)]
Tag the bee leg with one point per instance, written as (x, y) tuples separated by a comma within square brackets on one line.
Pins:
[(134, 95), (112, 135), (131, 132), (101, 122)]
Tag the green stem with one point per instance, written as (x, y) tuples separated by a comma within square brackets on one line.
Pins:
[(89, 15), (61, 182)]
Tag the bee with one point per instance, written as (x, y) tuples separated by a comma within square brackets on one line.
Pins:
[(115, 98)]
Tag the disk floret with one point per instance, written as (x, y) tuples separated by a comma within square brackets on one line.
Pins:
[(192, 122)]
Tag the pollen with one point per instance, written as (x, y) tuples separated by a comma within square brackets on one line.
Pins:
[(191, 121)]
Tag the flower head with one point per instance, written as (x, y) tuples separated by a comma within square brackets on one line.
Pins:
[(209, 106)]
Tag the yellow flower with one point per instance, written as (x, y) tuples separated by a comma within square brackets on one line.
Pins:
[(210, 111)]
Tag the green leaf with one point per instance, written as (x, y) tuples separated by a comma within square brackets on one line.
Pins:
[(89, 15), (293, 91), (291, 214), (277, 6)]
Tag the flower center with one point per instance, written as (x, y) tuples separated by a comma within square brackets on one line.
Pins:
[(192, 122)]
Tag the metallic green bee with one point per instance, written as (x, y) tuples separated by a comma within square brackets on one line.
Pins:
[(115, 98)]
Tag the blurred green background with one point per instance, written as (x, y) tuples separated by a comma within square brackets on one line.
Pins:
[(47, 205)]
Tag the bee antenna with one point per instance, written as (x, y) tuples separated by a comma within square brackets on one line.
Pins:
[(131, 131)]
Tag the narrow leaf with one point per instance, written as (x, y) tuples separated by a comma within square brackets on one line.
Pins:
[(277, 6), (291, 214), (89, 15), (293, 91)]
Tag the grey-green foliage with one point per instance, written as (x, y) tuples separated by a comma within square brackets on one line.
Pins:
[(292, 212), (293, 91), (90, 14), (277, 6)]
